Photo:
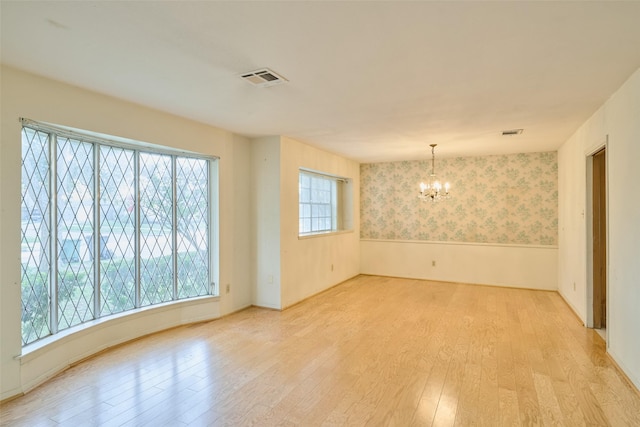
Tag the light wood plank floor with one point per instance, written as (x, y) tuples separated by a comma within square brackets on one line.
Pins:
[(371, 351)]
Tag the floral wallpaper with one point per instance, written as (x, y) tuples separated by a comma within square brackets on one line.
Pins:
[(511, 199)]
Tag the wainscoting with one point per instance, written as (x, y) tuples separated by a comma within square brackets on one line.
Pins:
[(519, 266)]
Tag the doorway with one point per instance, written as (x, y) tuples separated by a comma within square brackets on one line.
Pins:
[(599, 242)]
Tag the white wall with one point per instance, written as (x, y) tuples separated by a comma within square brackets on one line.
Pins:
[(265, 231), (619, 119), (307, 263), (25, 95), (237, 215), (289, 269), (522, 266)]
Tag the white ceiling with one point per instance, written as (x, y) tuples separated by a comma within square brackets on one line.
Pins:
[(373, 81)]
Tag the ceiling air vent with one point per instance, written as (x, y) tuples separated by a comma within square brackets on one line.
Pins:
[(512, 132), (263, 77)]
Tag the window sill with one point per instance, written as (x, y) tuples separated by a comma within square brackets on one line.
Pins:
[(35, 349), (323, 234)]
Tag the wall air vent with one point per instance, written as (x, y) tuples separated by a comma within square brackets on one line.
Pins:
[(512, 132), (264, 78)]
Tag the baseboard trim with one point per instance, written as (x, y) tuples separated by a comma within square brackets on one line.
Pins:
[(16, 394), (624, 376), (320, 292), (460, 283), (572, 309)]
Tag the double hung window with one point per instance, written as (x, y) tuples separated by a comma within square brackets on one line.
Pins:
[(322, 201)]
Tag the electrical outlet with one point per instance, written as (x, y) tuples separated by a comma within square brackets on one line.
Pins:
[(433, 263), (270, 278), (228, 288), (331, 267)]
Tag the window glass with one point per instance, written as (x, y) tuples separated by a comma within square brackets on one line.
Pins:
[(320, 207), (192, 227), (36, 235), (117, 230), (75, 223), (131, 229)]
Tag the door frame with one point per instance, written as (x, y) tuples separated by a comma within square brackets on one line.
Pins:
[(588, 213)]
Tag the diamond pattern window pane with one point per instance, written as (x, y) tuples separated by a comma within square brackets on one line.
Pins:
[(35, 229), (156, 225), (75, 230), (117, 230), (192, 222), (79, 247)]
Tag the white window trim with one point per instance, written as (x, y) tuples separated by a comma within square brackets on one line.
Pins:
[(340, 224)]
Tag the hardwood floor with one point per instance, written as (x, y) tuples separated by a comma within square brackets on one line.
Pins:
[(371, 351)]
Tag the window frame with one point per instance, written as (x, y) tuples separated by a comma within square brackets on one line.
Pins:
[(337, 204), (52, 250)]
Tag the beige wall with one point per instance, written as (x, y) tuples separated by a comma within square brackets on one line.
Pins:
[(307, 263), (290, 269), (238, 216), (25, 95), (265, 232), (616, 124)]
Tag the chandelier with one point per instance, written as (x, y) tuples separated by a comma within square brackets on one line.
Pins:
[(433, 190)]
